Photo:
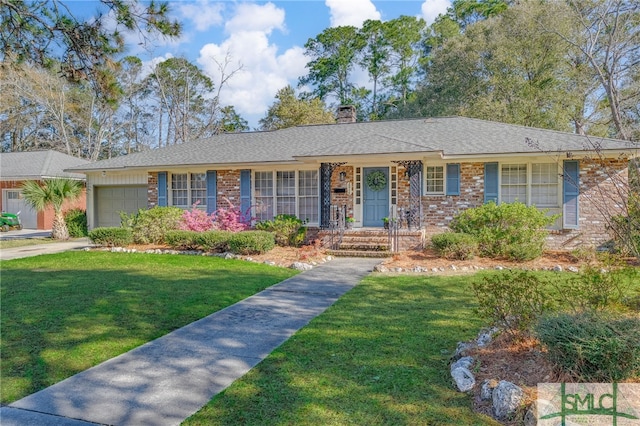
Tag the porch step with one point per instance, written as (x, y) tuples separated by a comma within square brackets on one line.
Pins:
[(364, 245), (359, 253)]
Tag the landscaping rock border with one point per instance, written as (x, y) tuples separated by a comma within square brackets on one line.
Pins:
[(300, 266), (506, 397)]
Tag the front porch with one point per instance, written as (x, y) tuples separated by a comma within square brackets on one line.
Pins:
[(370, 242)]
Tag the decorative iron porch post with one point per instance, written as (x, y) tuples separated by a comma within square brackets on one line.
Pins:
[(414, 171), (326, 170)]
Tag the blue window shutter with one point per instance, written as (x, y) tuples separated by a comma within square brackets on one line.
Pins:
[(212, 191), (570, 194), (491, 182), (162, 189), (453, 179), (245, 192)]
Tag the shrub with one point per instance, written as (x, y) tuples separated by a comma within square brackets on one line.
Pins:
[(182, 240), (626, 228), (111, 237), (513, 300), (453, 245), (592, 346), (288, 229), (196, 220), (510, 230), (231, 218), (216, 241), (76, 220), (593, 288), (150, 226), (251, 242)]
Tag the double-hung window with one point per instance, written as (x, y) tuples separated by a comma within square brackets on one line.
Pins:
[(188, 189), (287, 192), (434, 180), (544, 185), (514, 183)]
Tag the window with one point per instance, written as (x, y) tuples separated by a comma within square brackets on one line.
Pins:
[(199, 189), (294, 193), (435, 180), (514, 183), (188, 188), (179, 190), (286, 192), (264, 195), (544, 185), (308, 200)]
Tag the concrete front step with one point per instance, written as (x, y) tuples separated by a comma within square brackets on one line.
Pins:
[(359, 253)]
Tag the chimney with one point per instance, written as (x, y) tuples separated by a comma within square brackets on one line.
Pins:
[(346, 114)]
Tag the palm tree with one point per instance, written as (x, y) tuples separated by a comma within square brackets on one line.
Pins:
[(52, 192)]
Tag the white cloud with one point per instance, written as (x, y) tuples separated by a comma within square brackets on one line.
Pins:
[(254, 17), (251, 90), (351, 12), (432, 8), (202, 13)]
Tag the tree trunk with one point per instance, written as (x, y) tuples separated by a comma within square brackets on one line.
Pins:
[(59, 229)]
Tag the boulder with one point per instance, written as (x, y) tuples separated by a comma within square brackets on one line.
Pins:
[(464, 379), (464, 362), (486, 390), (462, 349), (301, 266), (506, 398), (380, 268), (485, 336)]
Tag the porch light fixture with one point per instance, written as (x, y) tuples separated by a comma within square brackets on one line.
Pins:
[(104, 173), (343, 176)]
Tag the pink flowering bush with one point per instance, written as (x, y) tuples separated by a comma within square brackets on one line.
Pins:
[(231, 219), (196, 220)]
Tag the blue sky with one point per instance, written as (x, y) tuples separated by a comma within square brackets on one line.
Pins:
[(263, 41)]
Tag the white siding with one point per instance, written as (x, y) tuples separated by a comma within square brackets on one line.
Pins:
[(109, 179)]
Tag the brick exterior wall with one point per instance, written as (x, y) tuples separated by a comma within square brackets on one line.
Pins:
[(342, 198), (602, 191), (228, 186), (603, 184)]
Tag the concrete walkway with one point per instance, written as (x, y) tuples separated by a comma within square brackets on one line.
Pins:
[(47, 248), (165, 381)]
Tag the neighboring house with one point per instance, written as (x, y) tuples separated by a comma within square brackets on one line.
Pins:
[(426, 170), (18, 167)]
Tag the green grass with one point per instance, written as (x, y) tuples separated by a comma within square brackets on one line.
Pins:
[(379, 356), (64, 313), (23, 242)]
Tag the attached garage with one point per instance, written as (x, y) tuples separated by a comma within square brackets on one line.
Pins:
[(13, 202), (111, 200)]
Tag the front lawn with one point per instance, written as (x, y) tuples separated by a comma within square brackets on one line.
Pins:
[(64, 313), (379, 356)]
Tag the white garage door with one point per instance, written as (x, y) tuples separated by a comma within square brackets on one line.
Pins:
[(12, 202), (111, 200)]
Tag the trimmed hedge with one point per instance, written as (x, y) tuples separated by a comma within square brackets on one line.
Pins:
[(251, 242), (215, 241), (454, 245), (111, 237)]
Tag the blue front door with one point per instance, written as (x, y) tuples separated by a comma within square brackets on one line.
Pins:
[(375, 181)]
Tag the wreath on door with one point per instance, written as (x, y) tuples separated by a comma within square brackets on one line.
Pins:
[(376, 180)]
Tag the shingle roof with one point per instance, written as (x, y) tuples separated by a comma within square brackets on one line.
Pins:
[(451, 136), (38, 165)]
